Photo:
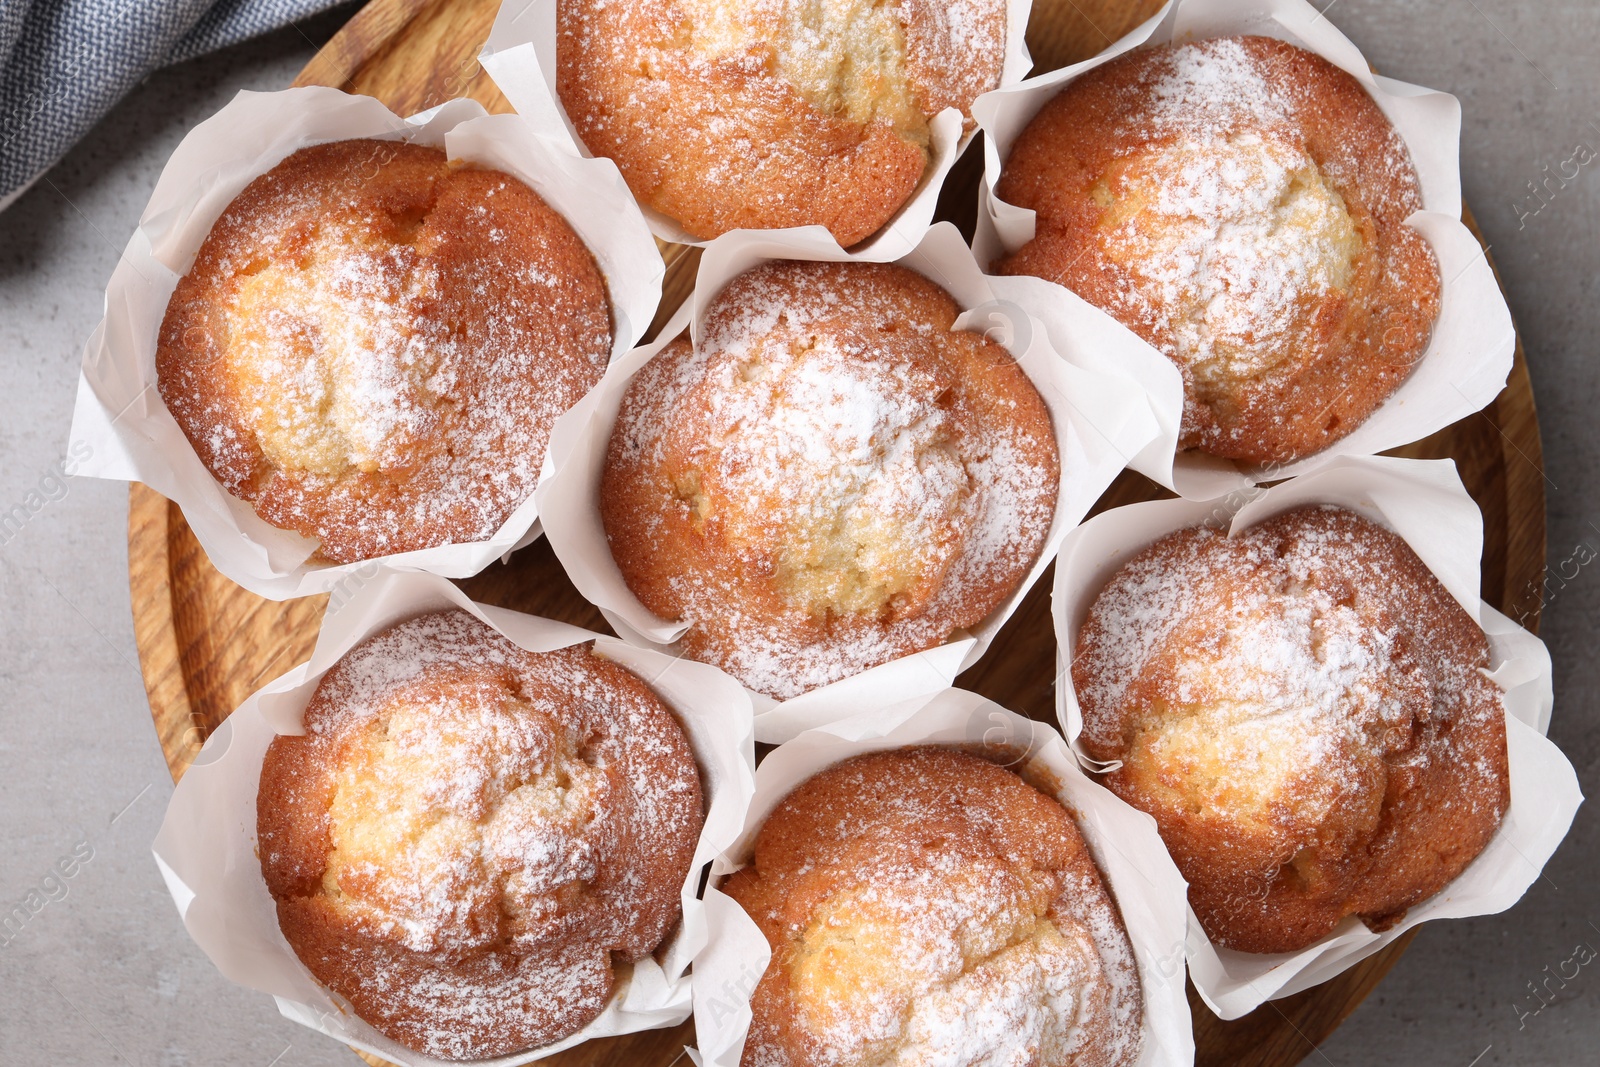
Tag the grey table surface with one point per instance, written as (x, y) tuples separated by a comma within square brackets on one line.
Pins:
[(104, 972)]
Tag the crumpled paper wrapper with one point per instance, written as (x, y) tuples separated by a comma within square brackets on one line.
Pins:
[(1425, 503), (119, 411), (521, 58), (206, 848), (1470, 354), (1148, 889), (1104, 422)]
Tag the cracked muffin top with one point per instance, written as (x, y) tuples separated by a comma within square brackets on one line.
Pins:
[(472, 842), (835, 477), (776, 113), (926, 906), (373, 343)]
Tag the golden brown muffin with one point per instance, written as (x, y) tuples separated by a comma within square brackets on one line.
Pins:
[(833, 479), (373, 343), (725, 115), (1303, 710), (1239, 203), (925, 906), (472, 842)]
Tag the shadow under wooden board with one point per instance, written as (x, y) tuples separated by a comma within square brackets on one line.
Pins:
[(205, 644)]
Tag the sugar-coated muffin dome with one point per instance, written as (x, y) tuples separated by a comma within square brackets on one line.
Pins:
[(472, 842), (832, 478), (1303, 708), (925, 906), (1241, 204), (373, 344), (777, 113)]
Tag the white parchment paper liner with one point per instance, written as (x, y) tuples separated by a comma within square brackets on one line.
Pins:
[(206, 848), (521, 58), (1103, 423), (1148, 889), (1470, 353), (119, 411), (1424, 502)]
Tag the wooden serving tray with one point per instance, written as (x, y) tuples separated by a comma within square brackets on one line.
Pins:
[(205, 644)]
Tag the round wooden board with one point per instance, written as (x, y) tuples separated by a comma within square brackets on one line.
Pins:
[(205, 644)]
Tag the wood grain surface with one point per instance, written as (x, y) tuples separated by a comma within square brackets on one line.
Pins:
[(205, 644)]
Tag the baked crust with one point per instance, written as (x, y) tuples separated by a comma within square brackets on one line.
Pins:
[(727, 115), (1303, 709), (471, 842), (1239, 203), (924, 905), (372, 345), (833, 479)]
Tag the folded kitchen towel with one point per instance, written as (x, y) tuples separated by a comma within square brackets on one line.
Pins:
[(65, 63)]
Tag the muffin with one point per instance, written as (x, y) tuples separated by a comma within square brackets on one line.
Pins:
[(1241, 204), (1304, 710), (726, 115), (471, 843), (925, 906), (373, 342), (833, 478)]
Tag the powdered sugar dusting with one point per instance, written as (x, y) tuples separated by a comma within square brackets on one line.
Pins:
[(726, 115), (1241, 204), (372, 346), (1274, 658), (1239, 233), (841, 467), (930, 932), (1209, 89), (502, 825)]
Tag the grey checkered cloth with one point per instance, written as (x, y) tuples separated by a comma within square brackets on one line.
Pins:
[(65, 63)]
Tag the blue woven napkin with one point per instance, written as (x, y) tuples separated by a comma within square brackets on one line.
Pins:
[(65, 63)]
